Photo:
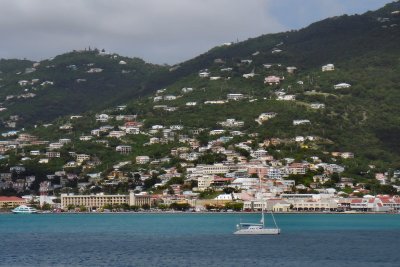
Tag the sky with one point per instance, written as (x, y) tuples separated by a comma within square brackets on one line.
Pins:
[(158, 31)]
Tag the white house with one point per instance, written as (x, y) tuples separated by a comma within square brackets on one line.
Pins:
[(328, 67), (235, 96), (204, 74), (291, 70), (317, 106), (286, 97), (142, 159), (266, 116), (300, 122), (342, 86)]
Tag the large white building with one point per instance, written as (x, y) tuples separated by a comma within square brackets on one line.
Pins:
[(100, 200)]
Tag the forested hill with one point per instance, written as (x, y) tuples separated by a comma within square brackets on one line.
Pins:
[(338, 38), (71, 83), (364, 118)]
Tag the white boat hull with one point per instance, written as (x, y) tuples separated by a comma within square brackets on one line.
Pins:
[(262, 231), (24, 210)]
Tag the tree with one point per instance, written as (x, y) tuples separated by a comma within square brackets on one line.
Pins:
[(82, 208), (180, 206), (46, 206)]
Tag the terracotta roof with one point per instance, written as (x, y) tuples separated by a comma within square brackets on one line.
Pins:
[(11, 199)]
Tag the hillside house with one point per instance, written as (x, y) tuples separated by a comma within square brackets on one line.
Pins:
[(328, 67), (95, 70), (317, 106), (142, 159), (204, 74), (231, 123), (291, 70), (235, 96), (85, 138), (124, 149), (226, 69), (341, 86), (116, 134), (132, 130), (186, 90), (157, 98), (64, 141), (266, 116), (169, 97), (82, 157), (216, 132), (102, 117), (56, 145), (23, 83), (301, 122), (272, 80), (53, 154), (246, 61), (249, 75), (347, 155), (215, 102)]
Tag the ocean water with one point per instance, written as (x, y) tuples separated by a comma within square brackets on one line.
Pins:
[(197, 240)]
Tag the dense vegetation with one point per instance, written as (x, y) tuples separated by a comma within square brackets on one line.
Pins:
[(364, 119)]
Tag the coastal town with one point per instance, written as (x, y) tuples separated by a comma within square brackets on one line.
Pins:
[(197, 169), (242, 134)]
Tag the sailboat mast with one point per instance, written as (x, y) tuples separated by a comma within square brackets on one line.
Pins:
[(262, 201)]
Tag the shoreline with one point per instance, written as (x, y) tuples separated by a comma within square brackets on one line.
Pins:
[(205, 212)]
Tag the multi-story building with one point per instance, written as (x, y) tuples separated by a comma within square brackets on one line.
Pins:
[(142, 159), (100, 200), (82, 157), (124, 149), (11, 202), (204, 182)]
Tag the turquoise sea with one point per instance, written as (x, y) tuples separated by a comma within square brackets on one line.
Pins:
[(189, 239)]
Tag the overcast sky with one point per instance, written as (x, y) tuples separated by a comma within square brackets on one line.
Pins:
[(159, 31)]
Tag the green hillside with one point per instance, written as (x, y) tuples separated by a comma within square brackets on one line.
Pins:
[(73, 85), (363, 119)]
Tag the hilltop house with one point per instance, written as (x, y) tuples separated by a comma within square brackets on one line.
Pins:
[(291, 70), (328, 67), (204, 74)]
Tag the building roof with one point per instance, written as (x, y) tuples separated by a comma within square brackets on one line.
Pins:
[(4, 198)]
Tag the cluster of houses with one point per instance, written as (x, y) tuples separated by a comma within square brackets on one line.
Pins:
[(245, 175), (246, 169)]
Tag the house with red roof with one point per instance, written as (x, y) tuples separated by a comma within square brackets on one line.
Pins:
[(8, 202)]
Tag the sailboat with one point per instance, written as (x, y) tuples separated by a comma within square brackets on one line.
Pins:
[(258, 228)]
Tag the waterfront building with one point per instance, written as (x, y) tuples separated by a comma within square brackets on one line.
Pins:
[(99, 200), (10, 202)]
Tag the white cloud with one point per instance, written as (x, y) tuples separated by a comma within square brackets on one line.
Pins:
[(156, 30)]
